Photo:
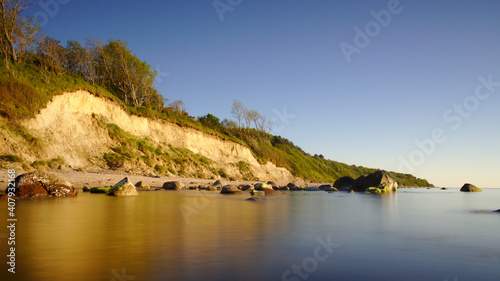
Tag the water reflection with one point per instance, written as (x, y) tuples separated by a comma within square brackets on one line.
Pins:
[(97, 237)]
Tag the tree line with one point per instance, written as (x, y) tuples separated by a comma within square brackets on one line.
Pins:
[(111, 65)]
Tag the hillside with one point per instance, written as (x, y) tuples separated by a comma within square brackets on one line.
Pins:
[(70, 124)]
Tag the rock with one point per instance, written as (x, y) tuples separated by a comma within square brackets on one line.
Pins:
[(257, 193), (193, 187), (230, 189), (100, 189), (261, 186), (212, 188), (219, 183), (351, 191), (291, 184), (497, 211), (283, 188), (86, 189), (312, 188), (269, 191), (470, 188), (42, 184), (325, 186), (379, 179), (173, 185), (257, 199), (247, 188), (343, 183), (444, 188), (331, 189), (123, 188), (373, 190), (294, 187), (142, 185)]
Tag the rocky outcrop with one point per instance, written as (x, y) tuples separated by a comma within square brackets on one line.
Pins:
[(379, 180), (100, 189), (343, 183), (42, 184), (470, 188), (123, 188), (173, 185)]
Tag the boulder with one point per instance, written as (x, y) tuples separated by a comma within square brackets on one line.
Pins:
[(379, 179), (283, 188), (331, 189), (123, 188), (173, 185), (444, 188), (325, 186), (219, 183), (269, 191), (497, 211), (343, 183), (261, 186), (470, 188), (257, 199), (247, 188), (294, 187), (86, 189), (230, 189), (212, 188), (312, 188), (351, 191), (42, 184), (142, 185), (257, 193), (100, 189)]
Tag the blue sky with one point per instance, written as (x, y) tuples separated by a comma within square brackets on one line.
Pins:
[(285, 56)]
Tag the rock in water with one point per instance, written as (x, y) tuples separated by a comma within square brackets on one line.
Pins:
[(123, 188), (230, 189), (173, 185), (343, 183), (470, 188), (380, 180), (42, 184), (497, 211)]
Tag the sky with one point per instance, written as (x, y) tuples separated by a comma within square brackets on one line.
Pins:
[(408, 86)]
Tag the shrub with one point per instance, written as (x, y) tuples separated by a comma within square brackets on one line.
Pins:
[(11, 158), (114, 160), (160, 169)]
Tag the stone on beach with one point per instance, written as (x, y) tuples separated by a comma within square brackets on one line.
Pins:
[(42, 184), (230, 189), (173, 185), (379, 179), (123, 188)]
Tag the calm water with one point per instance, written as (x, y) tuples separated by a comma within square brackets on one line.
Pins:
[(193, 235)]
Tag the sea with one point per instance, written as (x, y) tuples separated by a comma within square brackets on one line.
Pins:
[(414, 234)]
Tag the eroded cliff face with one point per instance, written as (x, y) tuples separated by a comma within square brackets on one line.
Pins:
[(71, 127)]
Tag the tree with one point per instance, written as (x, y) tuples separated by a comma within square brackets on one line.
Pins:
[(238, 110), (15, 32), (178, 106), (50, 56), (210, 121), (250, 116), (229, 124), (125, 74), (83, 60)]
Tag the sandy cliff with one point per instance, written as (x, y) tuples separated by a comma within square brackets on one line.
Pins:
[(70, 127)]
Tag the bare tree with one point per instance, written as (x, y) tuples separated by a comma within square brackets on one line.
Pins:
[(177, 106), (238, 110), (13, 27), (270, 126), (260, 123)]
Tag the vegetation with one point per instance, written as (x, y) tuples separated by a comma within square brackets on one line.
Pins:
[(35, 67)]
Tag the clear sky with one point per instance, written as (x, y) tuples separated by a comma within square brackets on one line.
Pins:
[(357, 86)]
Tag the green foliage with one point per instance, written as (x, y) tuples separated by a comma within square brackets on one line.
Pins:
[(11, 158), (160, 169), (223, 173), (114, 160), (54, 163), (100, 189)]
